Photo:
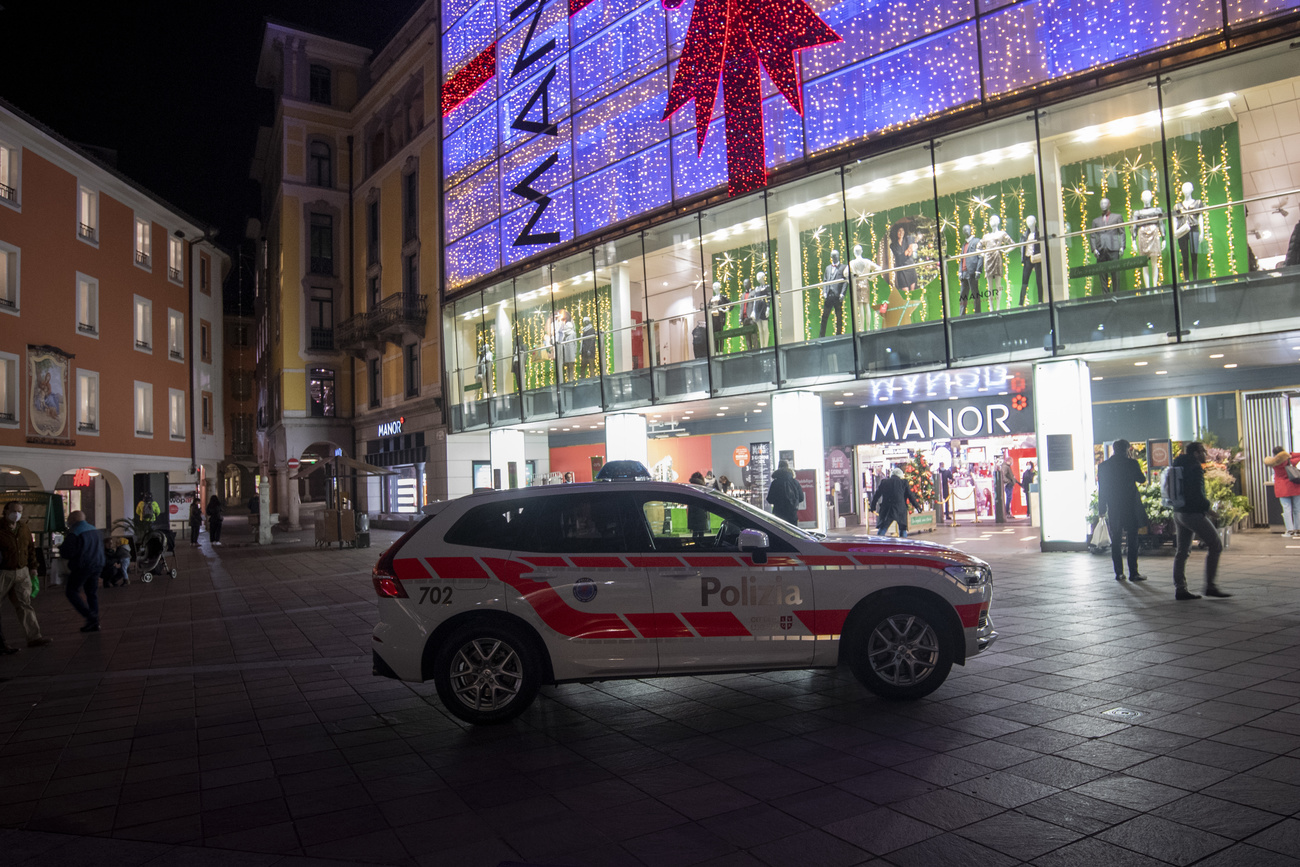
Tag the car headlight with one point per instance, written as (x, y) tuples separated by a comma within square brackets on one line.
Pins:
[(972, 575)]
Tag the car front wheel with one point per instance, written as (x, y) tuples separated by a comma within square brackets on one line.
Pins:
[(486, 673), (900, 649)]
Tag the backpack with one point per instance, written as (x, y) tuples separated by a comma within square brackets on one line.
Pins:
[(1171, 488)]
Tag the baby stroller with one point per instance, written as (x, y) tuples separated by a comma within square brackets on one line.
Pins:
[(152, 557)]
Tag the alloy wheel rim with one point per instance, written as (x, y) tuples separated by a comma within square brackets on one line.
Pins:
[(486, 674), (903, 650)]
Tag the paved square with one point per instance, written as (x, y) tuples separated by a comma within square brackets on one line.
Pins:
[(230, 717)]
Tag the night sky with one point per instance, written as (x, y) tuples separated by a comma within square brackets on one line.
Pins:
[(169, 86)]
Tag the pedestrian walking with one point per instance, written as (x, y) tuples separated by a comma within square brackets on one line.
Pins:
[(196, 522), (216, 513), (1192, 518), (890, 501), (1285, 488), (84, 551), (1118, 499), (1006, 477), (17, 563), (785, 493)]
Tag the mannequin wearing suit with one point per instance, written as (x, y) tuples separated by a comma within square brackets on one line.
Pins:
[(747, 310), (761, 308), (1107, 241), (1031, 259), (834, 282), (1187, 229), (1149, 238), (969, 268)]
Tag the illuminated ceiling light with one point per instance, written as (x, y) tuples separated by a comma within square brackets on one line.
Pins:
[(906, 401), (1139, 364), (724, 407), (1088, 134), (1161, 372), (839, 403), (721, 414), (1098, 378), (1230, 366), (848, 394), (764, 403), (1217, 355), (758, 412), (689, 412)]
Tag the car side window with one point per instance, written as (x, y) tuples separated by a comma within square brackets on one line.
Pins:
[(685, 523), (501, 525), (579, 523)]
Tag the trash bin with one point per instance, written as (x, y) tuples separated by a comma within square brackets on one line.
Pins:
[(363, 530)]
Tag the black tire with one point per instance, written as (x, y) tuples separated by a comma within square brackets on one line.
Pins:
[(487, 673), (900, 648)]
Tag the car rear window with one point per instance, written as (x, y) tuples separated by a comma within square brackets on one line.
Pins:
[(493, 525), (582, 522)]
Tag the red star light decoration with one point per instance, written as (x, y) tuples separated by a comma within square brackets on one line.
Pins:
[(725, 42)]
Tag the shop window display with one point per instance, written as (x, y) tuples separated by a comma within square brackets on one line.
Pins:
[(733, 238), (621, 347), (811, 261), (891, 216), (675, 301)]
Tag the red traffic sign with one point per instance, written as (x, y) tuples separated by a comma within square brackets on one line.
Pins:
[(740, 456), (293, 463)]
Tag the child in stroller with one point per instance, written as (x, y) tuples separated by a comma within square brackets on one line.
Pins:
[(153, 556)]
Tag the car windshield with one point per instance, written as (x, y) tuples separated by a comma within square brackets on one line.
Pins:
[(761, 515)]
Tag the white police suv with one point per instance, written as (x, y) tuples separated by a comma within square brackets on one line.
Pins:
[(495, 594)]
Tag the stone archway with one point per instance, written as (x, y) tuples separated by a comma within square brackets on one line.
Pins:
[(97, 492)]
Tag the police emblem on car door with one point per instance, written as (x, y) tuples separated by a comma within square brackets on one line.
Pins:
[(717, 608)]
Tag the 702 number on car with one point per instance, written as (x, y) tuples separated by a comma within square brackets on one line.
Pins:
[(435, 595)]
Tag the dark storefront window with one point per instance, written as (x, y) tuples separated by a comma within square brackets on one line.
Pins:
[(320, 392)]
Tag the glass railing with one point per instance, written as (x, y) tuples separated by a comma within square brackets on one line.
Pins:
[(680, 368), (624, 359)]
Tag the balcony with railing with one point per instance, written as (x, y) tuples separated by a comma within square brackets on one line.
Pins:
[(400, 315), (87, 328), (174, 274), (321, 339), (87, 427), (86, 231), (322, 265), (8, 192), (142, 258), (356, 337), (8, 303)]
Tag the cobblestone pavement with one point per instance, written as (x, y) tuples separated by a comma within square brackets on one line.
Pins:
[(229, 716)]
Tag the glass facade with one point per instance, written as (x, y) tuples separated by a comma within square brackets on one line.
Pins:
[(554, 121), (1132, 217)]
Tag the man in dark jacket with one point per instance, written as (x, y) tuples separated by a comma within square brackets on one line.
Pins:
[(84, 551), (1192, 518), (1117, 498), (890, 500), (17, 566), (785, 493)]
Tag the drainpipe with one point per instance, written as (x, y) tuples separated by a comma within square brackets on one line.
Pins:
[(189, 356), (352, 286)]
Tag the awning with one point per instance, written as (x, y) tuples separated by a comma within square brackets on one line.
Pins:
[(340, 462)]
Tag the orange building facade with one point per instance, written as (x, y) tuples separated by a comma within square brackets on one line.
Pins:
[(98, 351)]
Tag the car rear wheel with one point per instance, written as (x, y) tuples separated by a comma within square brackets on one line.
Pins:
[(900, 649), (486, 673)]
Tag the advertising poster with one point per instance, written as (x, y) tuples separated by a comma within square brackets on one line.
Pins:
[(758, 473), (807, 480), (839, 470)]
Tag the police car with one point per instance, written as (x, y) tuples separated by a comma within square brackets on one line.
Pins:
[(495, 594)]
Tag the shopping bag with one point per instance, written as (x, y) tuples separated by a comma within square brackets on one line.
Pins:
[(892, 529), (1100, 537), (1293, 472)]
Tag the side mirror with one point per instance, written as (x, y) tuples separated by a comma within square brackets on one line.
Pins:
[(756, 543)]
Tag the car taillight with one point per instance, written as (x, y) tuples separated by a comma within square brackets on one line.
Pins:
[(388, 587), (384, 575)]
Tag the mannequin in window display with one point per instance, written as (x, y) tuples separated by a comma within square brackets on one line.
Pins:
[(1031, 259), (834, 282), (715, 303), (1187, 229), (861, 270), (1107, 240), (483, 373), (762, 308), (567, 336), (971, 264), (994, 263), (747, 310), (902, 249), (1149, 238)]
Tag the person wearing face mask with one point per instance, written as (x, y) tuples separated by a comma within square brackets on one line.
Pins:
[(17, 563)]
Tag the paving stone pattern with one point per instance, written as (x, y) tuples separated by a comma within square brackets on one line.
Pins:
[(229, 716)]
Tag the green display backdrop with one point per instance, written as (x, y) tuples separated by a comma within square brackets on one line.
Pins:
[(1209, 159), (531, 334), (732, 268), (870, 230), (1011, 200), (815, 246)]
